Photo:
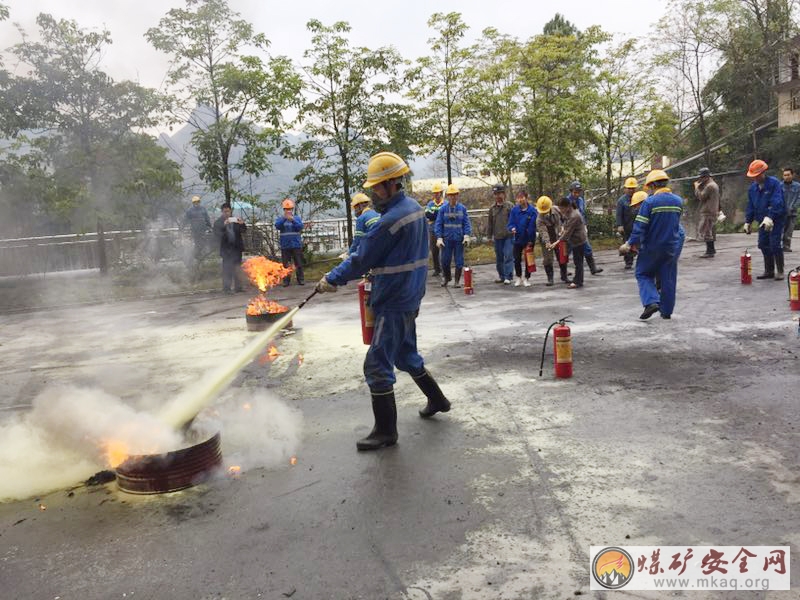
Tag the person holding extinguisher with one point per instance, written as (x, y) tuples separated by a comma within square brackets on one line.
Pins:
[(765, 204), (574, 234), (522, 225), (396, 251), (548, 222), (452, 234)]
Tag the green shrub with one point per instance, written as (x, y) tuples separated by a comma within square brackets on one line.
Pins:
[(601, 226)]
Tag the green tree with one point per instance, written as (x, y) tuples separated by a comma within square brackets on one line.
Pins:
[(442, 84), (246, 96), (497, 104), (346, 116), (559, 107)]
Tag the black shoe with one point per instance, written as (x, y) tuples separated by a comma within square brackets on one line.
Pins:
[(628, 267), (769, 268), (437, 273), (787, 249), (384, 432), (457, 284), (649, 311), (592, 266), (301, 283), (437, 402), (778, 267), (663, 316)]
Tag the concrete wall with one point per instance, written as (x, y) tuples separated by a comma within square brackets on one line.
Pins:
[(787, 116)]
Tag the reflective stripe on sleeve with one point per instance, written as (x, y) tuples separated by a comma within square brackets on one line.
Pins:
[(415, 216), (642, 219)]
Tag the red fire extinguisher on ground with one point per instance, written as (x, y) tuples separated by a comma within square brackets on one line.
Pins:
[(468, 289), (794, 288), (746, 267), (562, 252), (562, 348), (530, 259), (367, 316)]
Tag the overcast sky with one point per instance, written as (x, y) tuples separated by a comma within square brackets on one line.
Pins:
[(401, 24)]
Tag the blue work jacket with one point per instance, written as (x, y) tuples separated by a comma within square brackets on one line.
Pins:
[(658, 224), (765, 201), (524, 221), (290, 231), (452, 223)]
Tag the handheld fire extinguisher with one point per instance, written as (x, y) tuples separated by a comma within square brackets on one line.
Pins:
[(530, 259), (562, 348), (468, 288), (561, 247), (367, 316), (794, 288), (746, 267)]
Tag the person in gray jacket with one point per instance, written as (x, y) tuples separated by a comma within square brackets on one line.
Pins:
[(503, 239), (791, 196), (199, 223), (706, 191)]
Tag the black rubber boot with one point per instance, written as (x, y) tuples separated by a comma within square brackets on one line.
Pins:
[(445, 276), (769, 268), (592, 267), (563, 269), (549, 270), (436, 398), (649, 311), (779, 267), (384, 432), (457, 284), (710, 252)]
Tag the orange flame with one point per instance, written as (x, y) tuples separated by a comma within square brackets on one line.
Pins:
[(116, 453), (260, 305), (265, 274), (270, 355), (234, 471)]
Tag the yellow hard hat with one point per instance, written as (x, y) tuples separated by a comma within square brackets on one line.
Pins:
[(638, 198), (655, 176), (287, 204), (452, 189), (437, 188), (359, 198), (544, 204), (195, 199), (383, 167), (630, 182)]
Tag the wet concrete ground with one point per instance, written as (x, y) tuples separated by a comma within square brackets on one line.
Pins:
[(680, 432)]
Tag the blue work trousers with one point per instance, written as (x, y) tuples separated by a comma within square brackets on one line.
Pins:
[(661, 264), (452, 247), (771, 242), (504, 258), (394, 344)]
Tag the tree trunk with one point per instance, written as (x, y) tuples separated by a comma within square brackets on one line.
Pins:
[(346, 195)]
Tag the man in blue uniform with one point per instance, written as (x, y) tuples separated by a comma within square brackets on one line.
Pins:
[(452, 230), (576, 196), (791, 198), (396, 251), (624, 220), (765, 204), (522, 225), (658, 235), (431, 211), (290, 225), (366, 221)]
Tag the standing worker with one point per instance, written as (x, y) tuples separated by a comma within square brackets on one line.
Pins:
[(498, 229), (624, 220), (791, 198), (575, 235), (706, 191), (658, 237), (430, 214), (290, 226), (366, 221), (578, 201), (452, 230), (548, 222), (228, 230), (522, 225), (765, 204), (396, 251), (197, 218)]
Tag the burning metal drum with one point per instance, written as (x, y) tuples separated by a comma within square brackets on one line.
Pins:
[(261, 321), (172, 471)]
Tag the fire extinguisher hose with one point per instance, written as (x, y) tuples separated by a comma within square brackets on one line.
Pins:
[(561, 321)]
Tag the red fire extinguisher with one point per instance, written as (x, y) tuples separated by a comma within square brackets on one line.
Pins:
[(367, 316), (468, 289), (530, 259), (746, 267), (562, 252), (562, 348), (794, 288)]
